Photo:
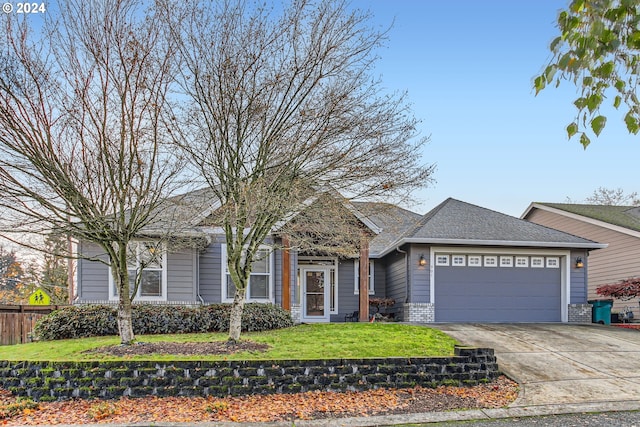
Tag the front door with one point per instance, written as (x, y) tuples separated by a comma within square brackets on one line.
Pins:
[(315, 294)]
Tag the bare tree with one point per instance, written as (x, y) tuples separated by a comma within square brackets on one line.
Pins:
[(85, 122), (610, 196), (284, 103)]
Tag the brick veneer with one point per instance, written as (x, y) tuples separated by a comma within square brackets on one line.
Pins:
[(108, 380), (580, 313), (418, 312)]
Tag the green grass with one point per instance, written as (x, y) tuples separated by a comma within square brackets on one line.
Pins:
[(317, 341)]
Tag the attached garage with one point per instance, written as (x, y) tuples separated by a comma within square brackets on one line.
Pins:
[(465, 263), (492, 288)]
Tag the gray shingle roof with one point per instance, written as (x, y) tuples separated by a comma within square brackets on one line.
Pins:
[(623, 216), (392, 220), (457, 222)]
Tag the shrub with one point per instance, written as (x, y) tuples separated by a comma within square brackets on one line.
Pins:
[(624, 290), (78, 322), (99, 320)]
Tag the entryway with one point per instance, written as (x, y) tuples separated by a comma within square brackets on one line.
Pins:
[(315, 294)]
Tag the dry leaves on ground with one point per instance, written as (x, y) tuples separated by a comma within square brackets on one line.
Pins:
[(310, 405)]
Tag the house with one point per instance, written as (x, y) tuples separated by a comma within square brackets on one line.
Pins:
[(457, 263), (618, 226)]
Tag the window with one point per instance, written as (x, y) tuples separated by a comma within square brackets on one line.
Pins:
[(491, 261), (475, 261), (260, 286), (442, 259), (506, 261), (458, 260), (356, 275), (553, 262), (537, 262), (147, 259), (522, 261)]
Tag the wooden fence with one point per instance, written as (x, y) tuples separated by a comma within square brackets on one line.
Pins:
[(17, 321)]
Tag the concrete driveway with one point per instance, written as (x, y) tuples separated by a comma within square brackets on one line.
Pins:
[(561, 363)]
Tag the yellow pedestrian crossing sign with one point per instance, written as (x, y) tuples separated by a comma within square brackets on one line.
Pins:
[(39, 297)]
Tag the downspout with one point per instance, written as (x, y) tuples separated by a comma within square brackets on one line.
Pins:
[(406, 275), (196, 264)]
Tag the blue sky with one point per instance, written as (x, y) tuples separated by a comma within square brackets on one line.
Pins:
[(468, 67)]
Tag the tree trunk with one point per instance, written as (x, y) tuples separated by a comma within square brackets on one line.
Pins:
[(235, 321), (125, 324)]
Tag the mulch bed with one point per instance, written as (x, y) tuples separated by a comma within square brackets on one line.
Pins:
[(310, 405), (185, 348), (627, 325)]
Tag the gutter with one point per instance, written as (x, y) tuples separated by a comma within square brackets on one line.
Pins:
[(482, 242)]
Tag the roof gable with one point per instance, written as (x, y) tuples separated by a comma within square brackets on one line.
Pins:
[(457, 222), (392, 221), (625, 217)]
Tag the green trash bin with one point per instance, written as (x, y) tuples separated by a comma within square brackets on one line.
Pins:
[(601, 311)]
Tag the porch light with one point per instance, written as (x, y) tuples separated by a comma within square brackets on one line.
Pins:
[(579, 263), (422, 262)]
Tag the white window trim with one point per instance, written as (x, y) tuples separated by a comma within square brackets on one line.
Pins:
[(334, 267), (523, 265), (506, 261), (493, 258), (442, 260), (223, 278), (553, 262), (460, 264), (114, 297), (537, 258), (476, 258), (356, 276)]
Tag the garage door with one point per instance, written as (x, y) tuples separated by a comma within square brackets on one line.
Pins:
[(470, 288)]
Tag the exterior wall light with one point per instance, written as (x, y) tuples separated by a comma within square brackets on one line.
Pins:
[(422, 262), (579, 263)]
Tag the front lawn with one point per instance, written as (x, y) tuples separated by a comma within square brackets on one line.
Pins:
[(313, 341)]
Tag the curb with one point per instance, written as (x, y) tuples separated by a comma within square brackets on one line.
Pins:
[(416, 418)]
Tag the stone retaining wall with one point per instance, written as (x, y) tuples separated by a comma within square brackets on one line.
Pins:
[(110, 380)]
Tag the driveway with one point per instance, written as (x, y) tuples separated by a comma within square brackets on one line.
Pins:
[(560, 363)]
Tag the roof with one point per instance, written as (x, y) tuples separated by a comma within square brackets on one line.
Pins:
[(392, 221), (459, 223), (621, 216)]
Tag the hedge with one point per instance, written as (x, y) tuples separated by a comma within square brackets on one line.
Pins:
[(99, 320)]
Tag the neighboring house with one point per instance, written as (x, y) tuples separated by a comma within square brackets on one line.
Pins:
[(457, 263), (618, 226)]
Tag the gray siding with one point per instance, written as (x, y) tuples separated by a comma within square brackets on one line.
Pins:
[(295, 286), (277, 277), (210, 273), (420, 287), (395, 277), (181, 279), (347, 300), (578, 278), (379, 279), (93, 276)]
